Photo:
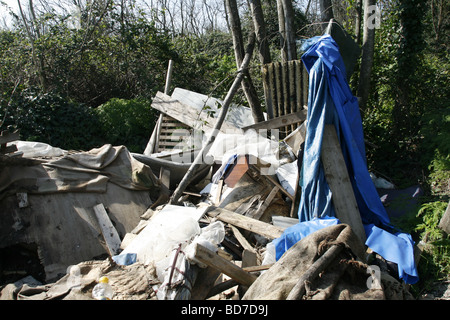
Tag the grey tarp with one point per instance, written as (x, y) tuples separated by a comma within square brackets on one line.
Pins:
[(59, 219), (80, 172)]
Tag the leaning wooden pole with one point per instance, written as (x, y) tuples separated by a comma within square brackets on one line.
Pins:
[(223, 112)]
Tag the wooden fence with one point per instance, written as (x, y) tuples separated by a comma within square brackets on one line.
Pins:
[(285, 89)]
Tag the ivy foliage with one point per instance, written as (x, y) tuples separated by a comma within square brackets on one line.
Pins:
[(126, 122), (52, 119)]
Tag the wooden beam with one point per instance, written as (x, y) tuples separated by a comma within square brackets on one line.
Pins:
[(258, 214), (109, 233), (337, 177), (241, 239), (281, 121), (262, 228), (215, 261)]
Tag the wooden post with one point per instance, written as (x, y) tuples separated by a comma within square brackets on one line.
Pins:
[(337, 177)]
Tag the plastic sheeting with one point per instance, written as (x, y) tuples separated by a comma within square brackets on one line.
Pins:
[(297, 232), (330, 101)]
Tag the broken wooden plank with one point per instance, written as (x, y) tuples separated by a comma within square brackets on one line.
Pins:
[(109, 233), (281, 121), (186, 114), (213, 260), (297, 195), (337, 177), (7, 136), (219, 192), (262, 228), (258, 268), (296, 138), (249, 258), (258, 214)]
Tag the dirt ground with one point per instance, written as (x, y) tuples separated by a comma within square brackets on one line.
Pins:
[(440, 291)]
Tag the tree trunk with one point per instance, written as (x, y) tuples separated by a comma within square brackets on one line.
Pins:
[(263, 46), (247, 84), (290, 32), (260, 31), (367, 55), (358, 21), (326, 10), (33, 31), (282, 30)]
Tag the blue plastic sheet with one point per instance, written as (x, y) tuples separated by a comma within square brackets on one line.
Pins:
[(125, 259), (330, 101), (298, 231)]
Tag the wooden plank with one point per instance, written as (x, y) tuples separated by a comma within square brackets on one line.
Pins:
[(278, 88), (109, 233), (268, 96), (186, 114), (213, 260), (337, 177), (258, 214), (249, 258), (168, 143), (241, 239), (262, 228), (258, 268), (281, 121), (444, 223), (219, 192), (296, 138), (7, 136), (297, 195), (305, 84), (298, 85)]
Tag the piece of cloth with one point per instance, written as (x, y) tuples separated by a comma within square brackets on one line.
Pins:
[(87, 171), (344, 278), (330, 101)]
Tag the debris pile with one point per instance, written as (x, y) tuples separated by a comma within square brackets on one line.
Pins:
[(258, 218)]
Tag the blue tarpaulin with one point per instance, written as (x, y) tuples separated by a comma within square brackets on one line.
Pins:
[(331, 101)]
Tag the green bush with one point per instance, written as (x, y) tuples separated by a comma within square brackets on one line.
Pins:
[(52, 119), (127, 122)]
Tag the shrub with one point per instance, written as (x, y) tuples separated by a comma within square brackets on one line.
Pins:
[(126, 122), (52, 119)]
